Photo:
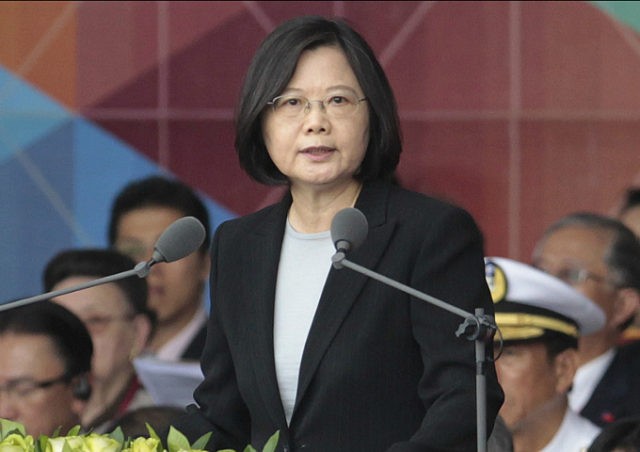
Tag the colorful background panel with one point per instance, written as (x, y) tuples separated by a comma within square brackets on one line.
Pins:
[(519, 111)]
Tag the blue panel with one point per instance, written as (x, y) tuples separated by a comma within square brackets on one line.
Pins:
[(59, 175), (36, 188), (26, 114), (104, 165)]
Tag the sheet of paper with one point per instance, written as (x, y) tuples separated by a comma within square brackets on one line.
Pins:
[(169, 382)]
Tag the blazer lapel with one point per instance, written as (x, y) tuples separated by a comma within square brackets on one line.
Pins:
[(343, 286), (263, 246)]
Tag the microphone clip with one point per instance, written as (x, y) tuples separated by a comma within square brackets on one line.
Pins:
[(477, 327)]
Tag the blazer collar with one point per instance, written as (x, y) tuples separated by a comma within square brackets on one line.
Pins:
[(343, 286), (341, 290)]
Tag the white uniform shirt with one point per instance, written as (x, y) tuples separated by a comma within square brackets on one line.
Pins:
[(576, 434)]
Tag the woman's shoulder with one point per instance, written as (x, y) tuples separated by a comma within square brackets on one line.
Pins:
[(255, 219), (418, 204)]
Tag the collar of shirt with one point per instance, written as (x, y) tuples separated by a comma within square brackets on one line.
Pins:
[(173, 349), (587, 378)]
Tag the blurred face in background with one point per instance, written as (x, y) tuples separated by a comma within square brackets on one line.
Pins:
[(176, 288), (577, 256), (34, 389), (118, 334), (534, 384)]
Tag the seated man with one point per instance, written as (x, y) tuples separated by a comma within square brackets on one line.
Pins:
[(600, 258), (139, 214), (120, 324), (540, 319), (46, 362)]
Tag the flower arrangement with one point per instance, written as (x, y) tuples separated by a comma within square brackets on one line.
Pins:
[(13, 438)]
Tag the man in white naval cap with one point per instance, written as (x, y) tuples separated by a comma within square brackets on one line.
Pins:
[(539, 319)]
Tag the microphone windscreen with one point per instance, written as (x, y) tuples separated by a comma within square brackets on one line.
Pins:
[(180, 239), (349, 225)]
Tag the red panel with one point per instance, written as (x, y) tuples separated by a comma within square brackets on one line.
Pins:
[(38, 43)]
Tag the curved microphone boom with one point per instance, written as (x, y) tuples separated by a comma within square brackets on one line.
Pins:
[(180, 239)]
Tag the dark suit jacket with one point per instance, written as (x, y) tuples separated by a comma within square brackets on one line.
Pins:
[(617, 395), (380, 370), (195, 347)]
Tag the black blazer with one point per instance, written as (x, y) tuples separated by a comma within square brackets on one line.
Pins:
[(617, 395), (380, 370), (195, 347)]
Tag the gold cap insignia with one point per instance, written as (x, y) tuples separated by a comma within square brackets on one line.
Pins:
[(496, 280)]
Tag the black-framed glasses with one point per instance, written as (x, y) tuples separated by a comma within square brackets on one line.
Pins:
[(340, 105), (21, 388)]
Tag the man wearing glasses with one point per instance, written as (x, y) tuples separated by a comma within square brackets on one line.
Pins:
[(44, 373), (600, 257), (119, 322)]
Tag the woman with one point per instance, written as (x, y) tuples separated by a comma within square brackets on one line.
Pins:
[(333, 360)]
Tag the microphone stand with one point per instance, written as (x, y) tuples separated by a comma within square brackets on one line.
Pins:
[(141, 270), (476, 327)]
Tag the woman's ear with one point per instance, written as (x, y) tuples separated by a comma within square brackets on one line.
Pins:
[(565, 365)]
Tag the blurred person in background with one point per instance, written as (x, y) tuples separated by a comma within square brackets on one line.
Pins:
[(540, 319), (45, 367), (120, 324), (629, 215), (599, 257), (139, 214)]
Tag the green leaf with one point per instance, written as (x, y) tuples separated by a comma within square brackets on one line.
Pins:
[(42, 443), (177, 441), (249, 448), (7, 427), (117, 435), (74, 431), (272, 443), (152, 432), (201, 442)]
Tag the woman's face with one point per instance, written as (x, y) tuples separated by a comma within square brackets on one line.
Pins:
[(316, 148)]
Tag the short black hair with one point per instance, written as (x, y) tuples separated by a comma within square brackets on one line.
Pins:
[(631, 199), (158, 191), (271, 70), (98, 263), (66, 331)]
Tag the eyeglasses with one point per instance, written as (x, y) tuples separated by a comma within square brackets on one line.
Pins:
[(336, 106), (575, 276), (99, 323), (21, 388)]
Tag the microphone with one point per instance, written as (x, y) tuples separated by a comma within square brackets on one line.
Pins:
[(180, 239), (348, 231)]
